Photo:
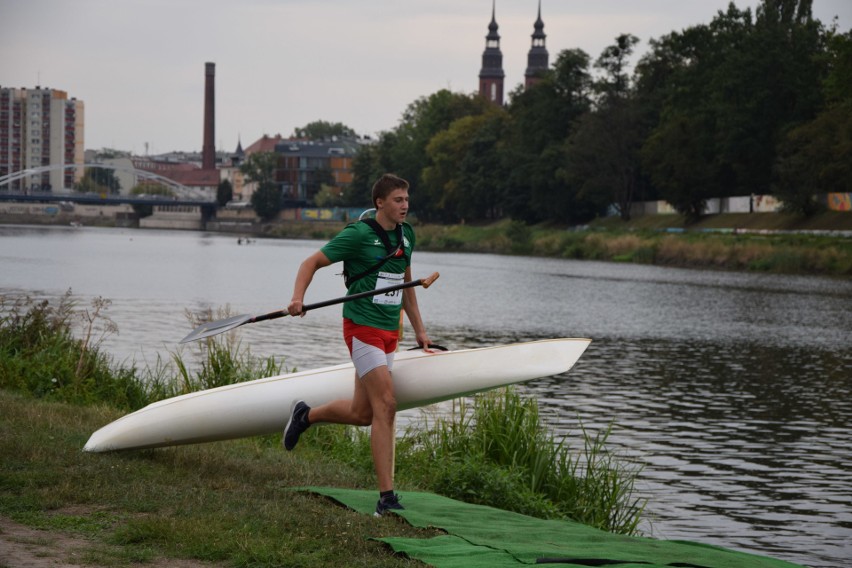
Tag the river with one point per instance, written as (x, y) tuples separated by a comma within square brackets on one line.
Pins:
[(733, 391)]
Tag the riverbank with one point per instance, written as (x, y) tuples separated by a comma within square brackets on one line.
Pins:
[(760, 242), (759, 428), (235, 502), (226, 503)]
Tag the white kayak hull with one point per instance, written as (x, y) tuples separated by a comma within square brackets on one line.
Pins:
[(263, 406)]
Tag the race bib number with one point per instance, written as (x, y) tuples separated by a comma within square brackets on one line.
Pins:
[(383, 280)]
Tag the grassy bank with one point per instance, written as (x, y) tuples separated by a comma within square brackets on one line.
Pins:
[(728, 242), (233, 502), (725, 242), (224, 502)]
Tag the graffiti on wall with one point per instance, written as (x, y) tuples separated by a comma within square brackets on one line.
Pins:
[(840, 201), (329, 213)]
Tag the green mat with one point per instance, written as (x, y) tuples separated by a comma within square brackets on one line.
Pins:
[(484, 536)]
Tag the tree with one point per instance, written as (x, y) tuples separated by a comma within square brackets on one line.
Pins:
[(679, 157), (224, 193), (365, 171), (459, 178), (739, 84), (615, 84), (602, 154), (319, 178), (403, 150), (266, 201), (816, 157), (260, 168), (99, 180), (481, 173), (540, 120), (323, 130)]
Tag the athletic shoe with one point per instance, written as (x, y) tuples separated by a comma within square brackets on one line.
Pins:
[(297, 424), (389, 503)]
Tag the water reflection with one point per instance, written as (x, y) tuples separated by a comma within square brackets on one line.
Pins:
[(753, 452)]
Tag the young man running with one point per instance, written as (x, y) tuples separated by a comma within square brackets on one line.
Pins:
[(371, 260)]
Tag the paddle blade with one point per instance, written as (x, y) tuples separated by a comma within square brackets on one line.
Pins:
[(216, 327)]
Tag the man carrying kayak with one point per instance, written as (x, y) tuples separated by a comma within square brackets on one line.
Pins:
[(375, 254)]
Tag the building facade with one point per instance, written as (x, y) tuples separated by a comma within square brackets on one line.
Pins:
[(537, 57), (305, 166), (491, 75), (41, 127)]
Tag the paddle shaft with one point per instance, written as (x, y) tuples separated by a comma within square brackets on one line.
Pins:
[(425, 282), (215, 328)]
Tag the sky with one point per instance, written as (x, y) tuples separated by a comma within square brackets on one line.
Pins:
[(138, 65)]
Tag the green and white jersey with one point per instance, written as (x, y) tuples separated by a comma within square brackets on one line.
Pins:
[(358, 246)]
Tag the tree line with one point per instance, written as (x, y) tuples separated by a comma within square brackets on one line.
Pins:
[(751, 103)]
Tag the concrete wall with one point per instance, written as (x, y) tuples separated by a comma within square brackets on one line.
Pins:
[(741, 204), (173, 217), (321, 214), (75, 210)]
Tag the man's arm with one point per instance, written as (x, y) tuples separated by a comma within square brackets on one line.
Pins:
[(412, 310), (303, 279)]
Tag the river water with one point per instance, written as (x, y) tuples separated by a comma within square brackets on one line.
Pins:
[(733, 391)]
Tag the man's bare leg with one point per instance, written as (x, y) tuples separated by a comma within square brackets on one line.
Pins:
[(379, 387), (373, 403)]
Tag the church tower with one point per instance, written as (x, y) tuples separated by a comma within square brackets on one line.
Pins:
[(491, 75), (537, 58)]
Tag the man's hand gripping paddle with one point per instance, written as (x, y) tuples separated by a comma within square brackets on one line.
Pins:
[(212, 328)]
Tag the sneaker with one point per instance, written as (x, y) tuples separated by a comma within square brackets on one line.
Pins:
[(389, 503), (297, 424)]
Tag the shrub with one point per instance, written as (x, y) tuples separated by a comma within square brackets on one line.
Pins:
[(500, 454), (40, 357)]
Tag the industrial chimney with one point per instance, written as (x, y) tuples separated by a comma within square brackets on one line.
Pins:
[(208, 149)]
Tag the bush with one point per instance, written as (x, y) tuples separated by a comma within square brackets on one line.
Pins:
[(494, 453), (500, 454), (520, 237), (40, 357)]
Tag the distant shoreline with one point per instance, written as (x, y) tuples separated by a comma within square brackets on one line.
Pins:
[(760, 242)]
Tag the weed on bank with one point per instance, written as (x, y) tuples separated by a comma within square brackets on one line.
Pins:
[(232, 501)]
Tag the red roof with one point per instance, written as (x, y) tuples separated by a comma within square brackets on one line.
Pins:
[(184, 173), (265, 144), (194, 178)]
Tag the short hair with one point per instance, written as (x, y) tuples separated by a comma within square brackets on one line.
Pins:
[(385, 185)]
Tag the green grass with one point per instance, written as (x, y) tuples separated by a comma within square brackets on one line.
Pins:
[(228, 502), (41, 357), (497, 452), (234, 502), (713, 242)]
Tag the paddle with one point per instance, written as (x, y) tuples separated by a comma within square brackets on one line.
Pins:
[(216, 327)]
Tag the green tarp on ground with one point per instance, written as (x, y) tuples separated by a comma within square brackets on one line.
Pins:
[(484, 536)]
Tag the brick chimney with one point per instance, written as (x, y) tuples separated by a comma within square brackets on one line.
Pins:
[(208, 149)]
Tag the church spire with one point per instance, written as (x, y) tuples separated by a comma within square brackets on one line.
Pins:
[(537, 58), (491, 75)]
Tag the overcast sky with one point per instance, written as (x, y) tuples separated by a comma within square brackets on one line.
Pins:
[(280, 64)]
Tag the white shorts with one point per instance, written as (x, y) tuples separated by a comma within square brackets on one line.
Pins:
[(367, 357)]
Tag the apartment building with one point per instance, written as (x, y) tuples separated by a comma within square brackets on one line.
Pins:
[(305, 166), (41, 127)]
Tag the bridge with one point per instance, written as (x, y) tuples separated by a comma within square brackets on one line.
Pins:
[(183, 192), (102, 199)]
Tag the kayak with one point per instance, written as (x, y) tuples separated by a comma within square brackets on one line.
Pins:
[(262, 406)]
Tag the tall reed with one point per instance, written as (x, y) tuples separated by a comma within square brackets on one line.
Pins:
[(40, 356), (497, 452), (494, 451)]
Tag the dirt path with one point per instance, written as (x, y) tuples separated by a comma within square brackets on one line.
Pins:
[(25, 547)]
